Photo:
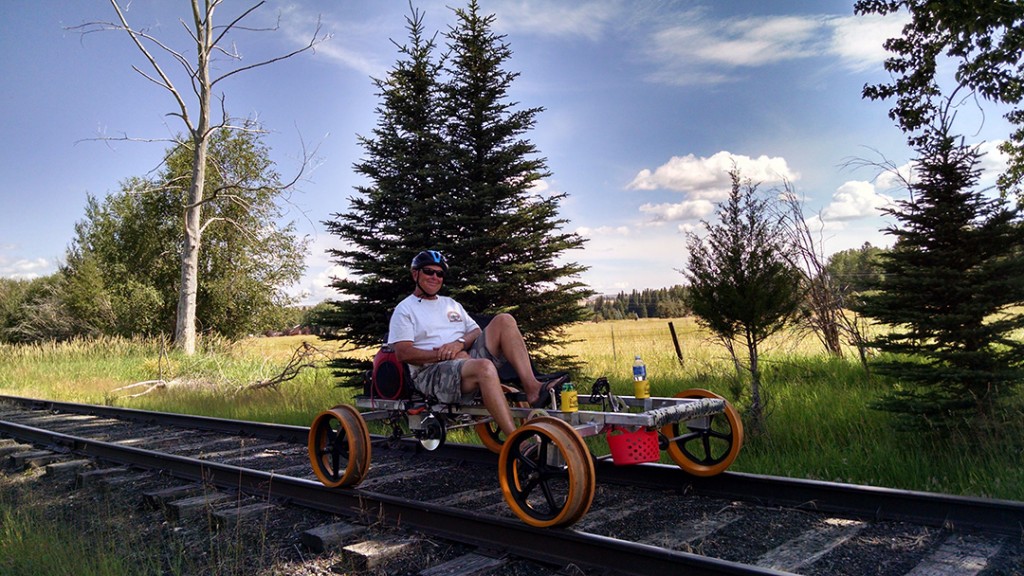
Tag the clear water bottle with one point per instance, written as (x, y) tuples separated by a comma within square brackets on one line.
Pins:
[(641, 389)]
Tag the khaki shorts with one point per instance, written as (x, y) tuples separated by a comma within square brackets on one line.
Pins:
[(443, 380)]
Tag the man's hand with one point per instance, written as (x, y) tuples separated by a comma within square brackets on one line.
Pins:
[(451, 351)]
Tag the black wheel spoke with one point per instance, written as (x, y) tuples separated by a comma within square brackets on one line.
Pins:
[(727, 436)]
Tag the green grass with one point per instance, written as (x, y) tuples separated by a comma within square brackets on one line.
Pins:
[(819, 423), (53, 532), (36, 540)]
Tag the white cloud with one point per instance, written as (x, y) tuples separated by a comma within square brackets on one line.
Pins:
[(687, 228), (818, 226), (854, 200), (705, 51), (25, 269), (757, 42), (350, 59), (625, 260), (314, 286), (734, 43), (589, 232), (994, 161), (895, 178), (587, 19), (687, 210), (857, 40), (708, 178), (298, 25), (543, 189)]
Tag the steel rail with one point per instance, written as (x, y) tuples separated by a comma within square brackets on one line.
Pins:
[(865, 502), (557, 546), (267, 431)]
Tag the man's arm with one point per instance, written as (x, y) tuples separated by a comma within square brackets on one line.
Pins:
[(471, 337), (410, 354)]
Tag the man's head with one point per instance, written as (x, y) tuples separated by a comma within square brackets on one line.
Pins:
[(430, 257), (428, 270)]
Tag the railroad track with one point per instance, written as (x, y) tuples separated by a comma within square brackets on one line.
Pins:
[(646, 519)]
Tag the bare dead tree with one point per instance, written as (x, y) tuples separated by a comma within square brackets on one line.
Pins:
[(826, 315), (211, 47)]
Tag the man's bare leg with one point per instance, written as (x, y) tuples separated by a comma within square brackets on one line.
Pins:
[(481, 374), (505, 339)]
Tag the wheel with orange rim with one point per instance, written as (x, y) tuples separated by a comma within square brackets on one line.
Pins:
[(706, 446), (546, 473), (589, 469), (339, 447)]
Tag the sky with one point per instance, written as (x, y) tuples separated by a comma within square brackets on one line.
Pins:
[(646, 107)]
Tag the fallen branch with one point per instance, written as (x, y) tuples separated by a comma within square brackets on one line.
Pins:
[(305, 356), (153, 385)]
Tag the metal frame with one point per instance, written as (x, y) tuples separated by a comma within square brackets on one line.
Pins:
[(655, 413)]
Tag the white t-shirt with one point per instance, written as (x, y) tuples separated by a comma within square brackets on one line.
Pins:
[(428, 324)]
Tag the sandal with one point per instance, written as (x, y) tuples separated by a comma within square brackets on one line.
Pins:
[(545, 391)]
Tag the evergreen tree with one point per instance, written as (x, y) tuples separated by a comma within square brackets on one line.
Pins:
[(403, 209), (504, 239), (449, 169), (660, 303), (742, 286), (947, 288)]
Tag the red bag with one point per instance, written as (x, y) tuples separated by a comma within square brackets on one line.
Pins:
[(390, 379)]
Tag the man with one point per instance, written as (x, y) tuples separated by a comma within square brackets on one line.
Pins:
[(450, 357)]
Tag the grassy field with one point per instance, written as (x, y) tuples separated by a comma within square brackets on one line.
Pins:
[(819, 424)]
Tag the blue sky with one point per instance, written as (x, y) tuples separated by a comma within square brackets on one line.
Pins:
[(647, 106)]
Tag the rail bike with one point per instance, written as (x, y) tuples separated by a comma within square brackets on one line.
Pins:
[(545, 468)]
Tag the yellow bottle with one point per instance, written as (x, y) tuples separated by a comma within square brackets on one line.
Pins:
[(641, 389)]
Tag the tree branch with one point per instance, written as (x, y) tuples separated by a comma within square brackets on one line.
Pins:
[(311, 46), (305, 356), (135, 35)]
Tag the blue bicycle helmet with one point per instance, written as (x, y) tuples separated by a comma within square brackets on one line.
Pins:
[(429, 257)]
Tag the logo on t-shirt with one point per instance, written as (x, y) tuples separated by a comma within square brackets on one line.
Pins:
[(454, 316)]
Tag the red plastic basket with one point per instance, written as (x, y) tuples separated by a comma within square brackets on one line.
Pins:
[(633, 447)]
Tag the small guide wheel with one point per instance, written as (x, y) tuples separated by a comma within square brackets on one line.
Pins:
[(432, 434), (708, 445), (339, 447), (546, 473)]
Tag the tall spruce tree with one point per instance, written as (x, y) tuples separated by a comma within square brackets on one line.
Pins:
[(947, 290), (449, 169), (504, 238), (402, 208)]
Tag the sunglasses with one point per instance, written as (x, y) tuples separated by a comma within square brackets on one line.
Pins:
[(432, 272)]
